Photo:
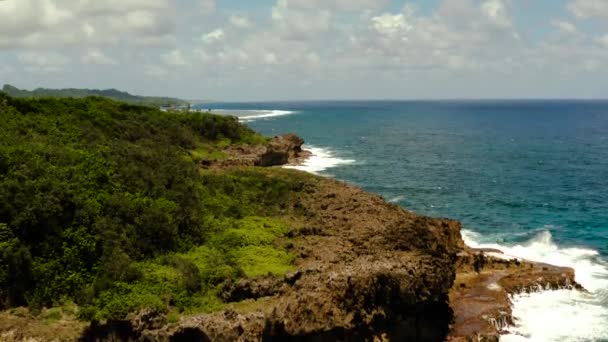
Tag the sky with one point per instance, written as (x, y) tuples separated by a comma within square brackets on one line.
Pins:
[(260, 50)]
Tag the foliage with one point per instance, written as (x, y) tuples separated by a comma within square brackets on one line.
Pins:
[(102, 203), (479, 262), (108, 93)]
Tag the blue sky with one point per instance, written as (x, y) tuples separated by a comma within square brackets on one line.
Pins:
[(310, 49)]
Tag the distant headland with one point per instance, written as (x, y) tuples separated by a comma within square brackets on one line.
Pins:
[(114, 94)]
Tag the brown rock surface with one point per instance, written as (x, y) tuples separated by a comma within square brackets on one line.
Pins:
[(365, 269), (280, 150), (284, 149)]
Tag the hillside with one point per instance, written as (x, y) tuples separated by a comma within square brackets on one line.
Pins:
[(108, 208), (107, 93), (102, 204)]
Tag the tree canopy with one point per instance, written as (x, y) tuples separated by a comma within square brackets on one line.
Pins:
[(102, 204)]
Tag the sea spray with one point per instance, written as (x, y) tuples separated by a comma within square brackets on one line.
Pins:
[(562, 315), (321, 160), (250, 115)]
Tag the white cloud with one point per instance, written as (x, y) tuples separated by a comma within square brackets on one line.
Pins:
[(300, 19), (88, 30), (24, 16), (83, 23), (603, 40), (155, 71), (145, 22), (52, 14), (389, 24), (175, 58), (271, 58), (497, 12), (109, 7), (335, 5), (240, 21), (208, 6), (589, 8), (459, 35), (6, 69), (565, 26), (313, 58), (96, 56), (327, 43), (213, 36), (43, 62)]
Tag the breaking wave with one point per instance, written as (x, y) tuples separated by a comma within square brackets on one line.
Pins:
[(562, 315), (252, 115), (321, 160)]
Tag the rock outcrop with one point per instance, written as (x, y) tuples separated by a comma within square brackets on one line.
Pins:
[(365, 269), (280, 150), (481, 297)]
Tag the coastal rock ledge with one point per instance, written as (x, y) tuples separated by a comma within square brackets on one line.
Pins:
[(365, 270), (280, 150), (484, 285)]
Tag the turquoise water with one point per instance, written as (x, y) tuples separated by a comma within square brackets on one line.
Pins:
[(505, 169), (520, 174)]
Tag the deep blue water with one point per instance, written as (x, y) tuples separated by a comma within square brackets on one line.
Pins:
[(506, 169)]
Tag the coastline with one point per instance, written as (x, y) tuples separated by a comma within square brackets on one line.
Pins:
[(490, 321), (363, 268), (483, 301)]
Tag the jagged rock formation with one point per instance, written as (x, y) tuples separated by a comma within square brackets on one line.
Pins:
[(283, 150), (481, 300), (280, 150), (366, 269)]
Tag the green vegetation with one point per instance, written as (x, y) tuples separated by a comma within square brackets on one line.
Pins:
[(102, 205), (479, 262), (107, 93)]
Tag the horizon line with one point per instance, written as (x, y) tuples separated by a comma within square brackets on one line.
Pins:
[(514, 99)]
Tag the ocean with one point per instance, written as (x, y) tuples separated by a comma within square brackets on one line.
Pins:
[(527, 177)]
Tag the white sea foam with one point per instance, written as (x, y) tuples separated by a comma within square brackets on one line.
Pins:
[(558, 315), (253, 114), (265, 114), (321, 160), (396, 199)]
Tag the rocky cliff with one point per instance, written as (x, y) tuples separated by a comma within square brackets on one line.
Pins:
[(365, 269), (280, 150)]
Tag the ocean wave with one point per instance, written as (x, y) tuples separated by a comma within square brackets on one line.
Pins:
[(321, 160), (254, 114), (396, 199), (557, 315)]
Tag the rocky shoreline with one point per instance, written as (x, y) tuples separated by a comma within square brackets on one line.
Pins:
[(481, 299), (279, 151), (365, 269)]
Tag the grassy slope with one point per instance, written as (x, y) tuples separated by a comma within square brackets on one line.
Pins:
[(102, 205)]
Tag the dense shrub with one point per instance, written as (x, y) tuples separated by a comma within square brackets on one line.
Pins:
[(93, 192)]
